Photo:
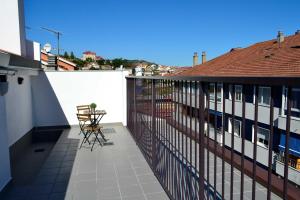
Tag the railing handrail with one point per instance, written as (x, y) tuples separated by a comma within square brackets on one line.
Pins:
[(253, 80)]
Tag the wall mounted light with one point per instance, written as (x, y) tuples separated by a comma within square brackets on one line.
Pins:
[(20, 80), (3, 85)]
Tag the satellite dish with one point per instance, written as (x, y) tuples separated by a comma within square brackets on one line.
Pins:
[(47, 47)]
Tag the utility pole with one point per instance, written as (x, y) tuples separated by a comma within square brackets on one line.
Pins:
[(58, 34)]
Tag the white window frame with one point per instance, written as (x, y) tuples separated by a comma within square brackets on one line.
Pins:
[(259, 143), (284, 102), (235, 91), (230, 126), (261, 103)]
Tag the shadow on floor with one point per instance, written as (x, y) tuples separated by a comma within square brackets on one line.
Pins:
[(49, 180)]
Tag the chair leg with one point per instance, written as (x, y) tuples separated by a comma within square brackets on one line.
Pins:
[(96, 138), (85, 139), (102, 135)]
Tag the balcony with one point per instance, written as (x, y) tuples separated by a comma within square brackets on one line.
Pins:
[(157, 151)]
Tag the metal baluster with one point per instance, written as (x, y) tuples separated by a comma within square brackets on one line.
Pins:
[(196, 134), (232, 140), (223, 141), (287, 138), (201, 140), (269, 188), (255, 143), (215, 141), (243, 141)]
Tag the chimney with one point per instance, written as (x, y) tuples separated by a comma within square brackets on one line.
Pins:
[(203, 57), (297, 32), (195, 59), (280, 37)]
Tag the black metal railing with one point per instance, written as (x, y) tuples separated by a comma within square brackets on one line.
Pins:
[(190, 164)]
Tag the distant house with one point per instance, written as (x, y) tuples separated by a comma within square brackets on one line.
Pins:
[(62, 63), (91, 55)]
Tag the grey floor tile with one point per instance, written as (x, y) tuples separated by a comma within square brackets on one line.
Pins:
[(131, 190), (60, 187), (107, 193), (57, 196), (153, 187), (139, 197), (85, 176), (143, 170), (42, 180), (41, 189), (147, 178), (157, 196), (107, 183), (127, 180), (38, 197)]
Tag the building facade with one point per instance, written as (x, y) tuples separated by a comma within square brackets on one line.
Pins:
[(277, 58)]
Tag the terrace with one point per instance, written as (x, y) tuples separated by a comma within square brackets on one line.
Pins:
[(157, 151), (116, 171)]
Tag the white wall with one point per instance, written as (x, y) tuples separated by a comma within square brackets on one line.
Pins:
[(5, 175), (12, 28), (56, 95), (18, 107)]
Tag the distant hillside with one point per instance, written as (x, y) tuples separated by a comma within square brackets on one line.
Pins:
[(108, 63)]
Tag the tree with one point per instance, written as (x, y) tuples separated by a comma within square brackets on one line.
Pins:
[(101, 62), (66, 55), (80, 63), (72, 55), (117, 62), (89, 60)]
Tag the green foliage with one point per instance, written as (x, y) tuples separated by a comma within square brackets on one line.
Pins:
[(101, 62), (80, 63), (89, 60), (66, 55), (117, 62), (93, 105), (72, 55)]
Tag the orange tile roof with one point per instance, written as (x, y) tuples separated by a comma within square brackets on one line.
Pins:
[(259, 60)]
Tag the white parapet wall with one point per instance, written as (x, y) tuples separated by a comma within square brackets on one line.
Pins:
[(56, 95), (5, 175)]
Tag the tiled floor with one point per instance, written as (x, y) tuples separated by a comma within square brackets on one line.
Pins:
[(111, 172)]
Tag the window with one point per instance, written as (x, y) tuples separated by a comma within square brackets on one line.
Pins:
[(193, 85), (238, 92), (219, 92), (237, 127), (264, 95), (211, 90), (262, 136), (295, 102)]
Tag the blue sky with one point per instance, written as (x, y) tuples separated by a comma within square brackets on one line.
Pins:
[(163, 31)]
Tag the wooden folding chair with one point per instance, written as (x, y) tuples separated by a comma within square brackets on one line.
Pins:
[(88, 129), (84, 122), (83, 109)]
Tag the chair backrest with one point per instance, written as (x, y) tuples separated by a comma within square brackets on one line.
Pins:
[(83, 109), (83, 117)]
